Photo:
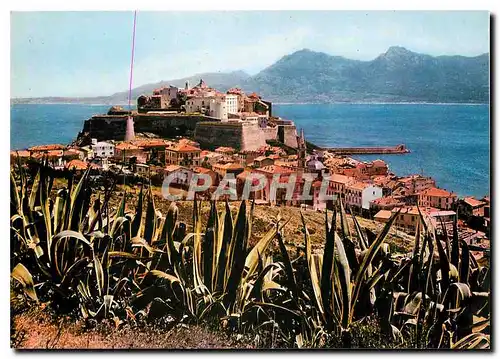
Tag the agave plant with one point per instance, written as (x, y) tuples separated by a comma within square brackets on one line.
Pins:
[(75, 252)]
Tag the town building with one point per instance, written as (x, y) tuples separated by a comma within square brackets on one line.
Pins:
[(179, 176), (125, 151), (358, 195), (437, 197), (263, 161), (470, 206), (183, 155), (222, 169), (417, 183), (103, 149), (228, 151), (337, 183)]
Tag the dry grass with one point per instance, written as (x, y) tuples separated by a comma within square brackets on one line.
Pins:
[(264, 217), (38, 330)]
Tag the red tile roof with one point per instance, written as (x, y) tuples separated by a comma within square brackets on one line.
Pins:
[(126, 146), (79, 165), (185, 148), (47, 147), (437, 192), (274, 169), (340, 178), (358, 185), (202, 170), (383, 214), (172, 168), (471, 201), (225, 149), (22, 153)]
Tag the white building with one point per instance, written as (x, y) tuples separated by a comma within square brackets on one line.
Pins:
[(360, 194), (102, 149), (196, 104), (214, 106), (218, 108), (232, 103)]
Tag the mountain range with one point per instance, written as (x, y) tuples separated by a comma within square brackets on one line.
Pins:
[(306, 76)]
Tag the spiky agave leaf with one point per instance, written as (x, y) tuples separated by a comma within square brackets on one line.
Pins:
[(21, 274), (372, 251)]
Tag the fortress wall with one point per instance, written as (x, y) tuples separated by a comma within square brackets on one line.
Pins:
[(290, 136), (270, 133), (214, 134), (107, 127), (252, 138)]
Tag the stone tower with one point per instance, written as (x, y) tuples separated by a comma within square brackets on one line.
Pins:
[(302, 150), (129, 132)]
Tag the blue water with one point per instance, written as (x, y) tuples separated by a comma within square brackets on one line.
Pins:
[(32, 125), (448, 142)]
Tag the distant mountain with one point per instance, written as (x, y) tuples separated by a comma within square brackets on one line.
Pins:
[(398, 75), (218, 80)]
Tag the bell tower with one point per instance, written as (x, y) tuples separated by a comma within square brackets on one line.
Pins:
[(129, 132), (302, 150)]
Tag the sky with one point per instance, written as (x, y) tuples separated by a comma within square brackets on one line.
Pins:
[(88, 53)]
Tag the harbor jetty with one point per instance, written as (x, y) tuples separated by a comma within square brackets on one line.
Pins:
[(399, 149)]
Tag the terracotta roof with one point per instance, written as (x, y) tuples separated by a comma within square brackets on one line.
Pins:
[(202, 170), (273, 169), (172, 168), (72, 151), (437, 192), (387, 200), (225, 149), (185, 148), (79, 165), (341, 178), (126, 146), (154, 142), (383, 214), (231, 166), (21, 153), (52, 153), (47, 147), (414, 210), (442, 213), (358, 185), (471, 201)]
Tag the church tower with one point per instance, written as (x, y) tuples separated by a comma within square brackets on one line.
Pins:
[(129, 132), (302, 150)]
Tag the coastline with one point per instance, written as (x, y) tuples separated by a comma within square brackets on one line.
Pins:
[(278, 103)]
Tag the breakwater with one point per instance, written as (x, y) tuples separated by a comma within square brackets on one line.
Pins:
[(399, 149)]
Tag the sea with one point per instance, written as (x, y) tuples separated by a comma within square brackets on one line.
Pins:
[(449, 142)]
